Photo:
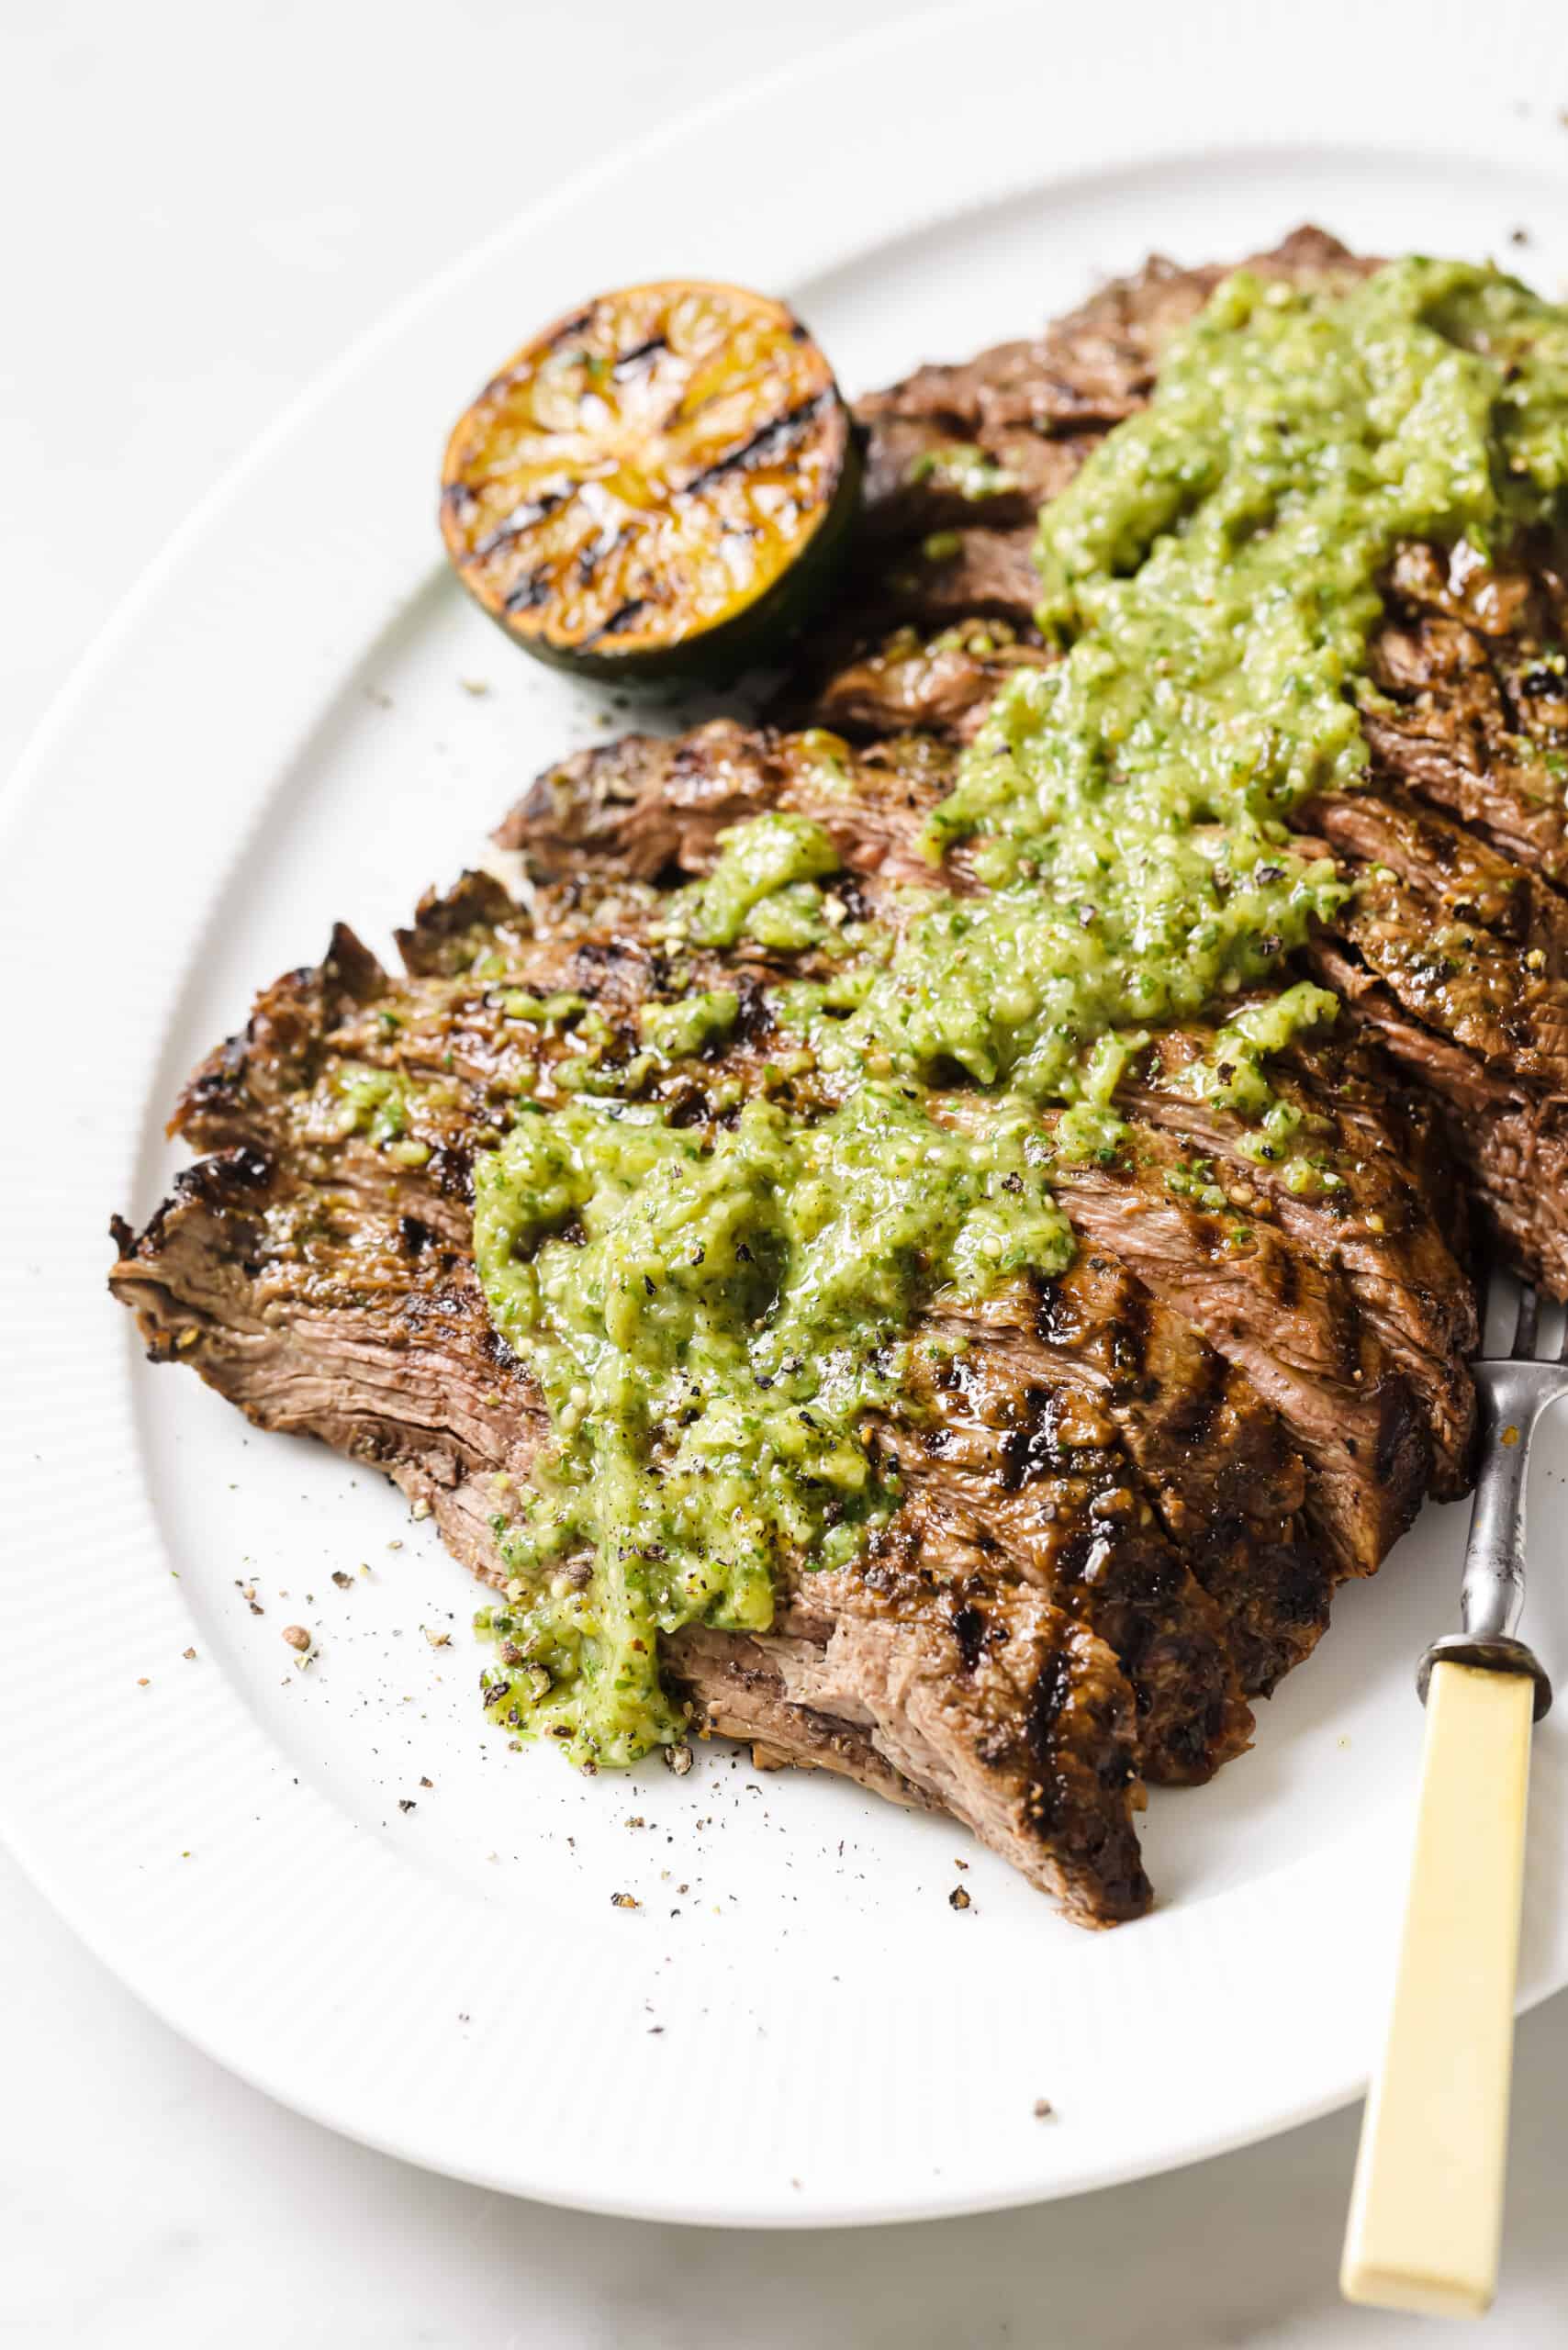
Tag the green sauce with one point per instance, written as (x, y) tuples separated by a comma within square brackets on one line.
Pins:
[(762, 879), (963, 468), (676, 1031), (710, 1323), (712, 1320), (1214, 568)]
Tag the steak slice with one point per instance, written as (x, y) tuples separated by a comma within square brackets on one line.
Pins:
[(648, 809), (1366, 1257), (1469, 718), (1266, 1306), (1367, 1222), (1511, 1141), (943, 684), (1458, 960), (902, 1712), (1078, 1524), (1049, 1488), (1474, 715), (973, 1693), (1471, 944)]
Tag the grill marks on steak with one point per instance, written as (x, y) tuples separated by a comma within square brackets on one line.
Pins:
[(1376, 1228), (1377, 1265), (1225, 1481), (1468, 725), (1289, 1324), (1511, 1141), (1031, 1467), (951, 1683), (1028, 1630), (1038, 1482)]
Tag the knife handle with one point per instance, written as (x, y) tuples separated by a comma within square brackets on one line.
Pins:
[(1427, 2207)]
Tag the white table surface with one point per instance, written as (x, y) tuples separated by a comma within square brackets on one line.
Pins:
[(200, 205)]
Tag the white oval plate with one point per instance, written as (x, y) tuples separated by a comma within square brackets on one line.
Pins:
[(794, 2026)]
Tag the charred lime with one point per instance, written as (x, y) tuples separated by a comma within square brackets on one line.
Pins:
[(656, 486)]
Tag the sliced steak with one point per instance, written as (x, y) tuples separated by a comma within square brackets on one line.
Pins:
[(1228, 1483), (1036, 1484), (1035, 409), (1183, 1417), (1364, 1222), (1397, 1290), (1472, 714), (646, 809), (1511, 1140), (1473, 944), (1078, 1523), (1032, 1742), (1126, 1492), (943, 684), (1458, 840), (1020, 401), (1263, 1303)]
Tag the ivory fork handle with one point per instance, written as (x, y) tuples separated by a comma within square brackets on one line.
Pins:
[(1426, 2209)]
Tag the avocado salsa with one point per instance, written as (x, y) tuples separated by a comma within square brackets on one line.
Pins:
[(714, 1319)]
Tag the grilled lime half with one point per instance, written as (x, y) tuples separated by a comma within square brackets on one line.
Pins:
[(656, 486)]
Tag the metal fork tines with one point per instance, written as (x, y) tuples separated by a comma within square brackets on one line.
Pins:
[(1514, 1391)]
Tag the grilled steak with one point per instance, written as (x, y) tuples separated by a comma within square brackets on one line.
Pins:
[(1027, 1637), (1346, 1315), (1114, 1528), (1128, 1494), (1473, 726)]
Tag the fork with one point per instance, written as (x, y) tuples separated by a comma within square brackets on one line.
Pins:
[(1427, 2207)]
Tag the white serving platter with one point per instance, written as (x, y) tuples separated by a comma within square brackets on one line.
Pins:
[(794, 2026)]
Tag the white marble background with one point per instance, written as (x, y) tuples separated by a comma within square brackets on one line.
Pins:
[(201, 201)]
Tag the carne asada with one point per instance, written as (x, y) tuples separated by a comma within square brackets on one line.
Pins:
[(931, 1236)]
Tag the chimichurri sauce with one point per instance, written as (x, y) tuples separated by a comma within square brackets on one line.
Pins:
[(710, 1323), (712, 1318)]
